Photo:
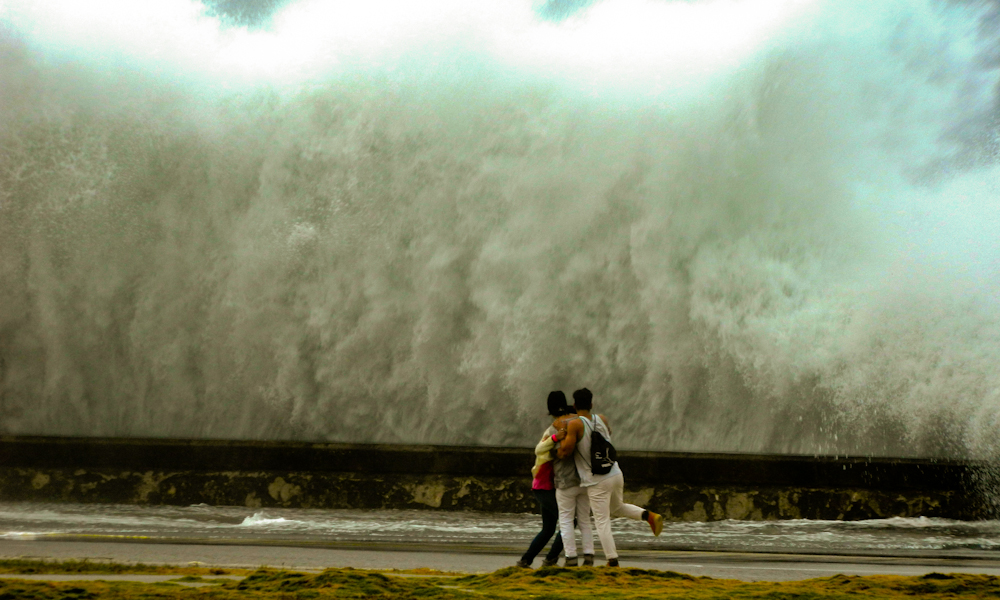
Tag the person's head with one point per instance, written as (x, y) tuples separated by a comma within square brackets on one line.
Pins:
[(557, 403), (583, 399)]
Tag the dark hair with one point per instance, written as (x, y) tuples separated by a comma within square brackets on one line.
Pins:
[(583, 399), (557, 403)]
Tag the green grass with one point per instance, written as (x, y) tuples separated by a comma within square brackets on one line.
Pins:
[(514, 584), (25, 566)]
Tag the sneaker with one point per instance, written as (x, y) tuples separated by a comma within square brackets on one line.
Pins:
[(655, 523), (588, 560), (550, 563), (523, 564), (571, 561), (612, 562)]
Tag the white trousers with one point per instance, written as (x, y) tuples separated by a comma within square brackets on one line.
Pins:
[(574, 502), (606, 502)]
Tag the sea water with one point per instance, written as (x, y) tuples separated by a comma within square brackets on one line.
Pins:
[(497, 531), (746, 225)]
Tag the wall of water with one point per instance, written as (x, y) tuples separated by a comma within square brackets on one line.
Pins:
[(746, 225)]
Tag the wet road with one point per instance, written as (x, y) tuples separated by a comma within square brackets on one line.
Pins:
[(481, 542), (728, 565)]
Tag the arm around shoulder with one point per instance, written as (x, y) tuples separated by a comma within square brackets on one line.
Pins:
[(573, 433)]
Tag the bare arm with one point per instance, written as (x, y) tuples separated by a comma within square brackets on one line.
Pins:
[(573, 433), (560, 426), (606, 423)]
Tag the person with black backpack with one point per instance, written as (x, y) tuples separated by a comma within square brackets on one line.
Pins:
[(588, 440)]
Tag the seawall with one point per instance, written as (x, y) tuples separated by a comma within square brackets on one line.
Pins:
[(683, 486)]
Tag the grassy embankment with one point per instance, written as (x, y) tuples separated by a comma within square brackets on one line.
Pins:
[(505, 584), (88, 567)]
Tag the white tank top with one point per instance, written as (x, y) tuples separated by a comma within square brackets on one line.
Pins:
[(582, 452)]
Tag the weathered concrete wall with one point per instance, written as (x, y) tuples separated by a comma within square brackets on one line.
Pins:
[(692, 487)]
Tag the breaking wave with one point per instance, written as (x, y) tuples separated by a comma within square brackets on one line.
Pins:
[(745, 225)]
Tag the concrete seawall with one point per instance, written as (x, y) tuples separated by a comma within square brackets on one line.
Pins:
[(683, 486)]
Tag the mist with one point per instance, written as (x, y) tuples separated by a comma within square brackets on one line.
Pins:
[(753, 226)]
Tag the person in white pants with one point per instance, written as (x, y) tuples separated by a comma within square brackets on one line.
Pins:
[(605, 491), (573, 503)]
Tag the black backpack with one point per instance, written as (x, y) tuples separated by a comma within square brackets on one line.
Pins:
[(602, 454)]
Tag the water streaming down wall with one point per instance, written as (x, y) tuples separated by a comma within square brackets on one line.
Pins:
[(746, 226)]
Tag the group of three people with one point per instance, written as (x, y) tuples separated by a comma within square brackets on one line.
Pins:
[(568, 489)]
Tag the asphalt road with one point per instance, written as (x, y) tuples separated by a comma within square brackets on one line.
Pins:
[(727, 565)]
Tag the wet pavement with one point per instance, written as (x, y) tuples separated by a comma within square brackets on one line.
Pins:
[(481, 542), (727, 565)]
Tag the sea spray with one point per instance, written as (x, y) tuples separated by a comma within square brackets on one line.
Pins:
[(410, 225)]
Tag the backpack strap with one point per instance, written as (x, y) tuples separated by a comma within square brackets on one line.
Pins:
[(585, 422), (606, 433)]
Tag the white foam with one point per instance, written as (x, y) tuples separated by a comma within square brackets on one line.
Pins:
[(22, 535), (260, 520), (747, 225)]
